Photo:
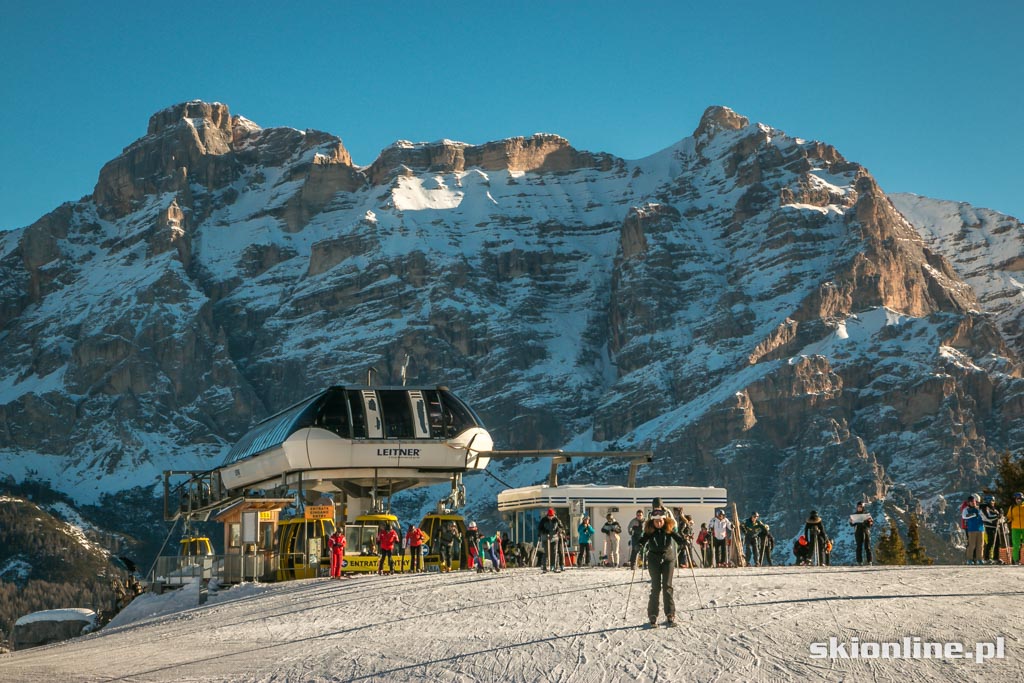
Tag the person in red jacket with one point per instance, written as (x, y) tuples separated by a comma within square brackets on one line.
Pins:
[(336, 544), (386, 540), (414, 541)]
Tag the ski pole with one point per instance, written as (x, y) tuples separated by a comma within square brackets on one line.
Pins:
[(696, 589), (629, 592)]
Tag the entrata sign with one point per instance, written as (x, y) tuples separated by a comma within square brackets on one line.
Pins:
[(319, 512), (368, 563)]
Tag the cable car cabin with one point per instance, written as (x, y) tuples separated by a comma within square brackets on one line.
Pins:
[(431, 526), (302, 547), (362, 435), (195, 546), (361, 552), (524, 507)]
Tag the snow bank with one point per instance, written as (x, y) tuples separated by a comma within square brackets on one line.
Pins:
[(68, 614)]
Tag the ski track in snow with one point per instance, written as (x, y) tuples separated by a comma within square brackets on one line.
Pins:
[(752, 624)]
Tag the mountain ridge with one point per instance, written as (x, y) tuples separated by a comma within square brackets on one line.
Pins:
[(689, 302)]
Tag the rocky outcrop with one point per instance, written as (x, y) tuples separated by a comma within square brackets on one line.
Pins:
[(539, 153)]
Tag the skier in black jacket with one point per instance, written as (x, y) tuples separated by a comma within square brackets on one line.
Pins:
[(862, 532), (991, 514), (814, 530), (548, 533), (660, 540)]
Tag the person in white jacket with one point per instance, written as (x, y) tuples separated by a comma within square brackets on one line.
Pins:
[(611, 530), (720, 528)]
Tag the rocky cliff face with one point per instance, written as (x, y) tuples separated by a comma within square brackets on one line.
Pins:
[(750, 305)]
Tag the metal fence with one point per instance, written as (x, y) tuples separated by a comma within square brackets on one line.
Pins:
[(173, 572)]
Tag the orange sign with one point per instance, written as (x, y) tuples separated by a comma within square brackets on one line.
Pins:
[(319, 512)]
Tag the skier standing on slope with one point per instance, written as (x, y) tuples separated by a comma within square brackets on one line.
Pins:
[(861, 522), (414, 540), (387, 538), (991, 514), (814, 531), (687, 554), (635, 529), (1015, 518), (720, 528), (473, 537), (975, 524), (446, 541), (802, 551), (548, 532), (611, 530), (752, 536), (660, 540), (336, 544), (704, 543), (585, 532)]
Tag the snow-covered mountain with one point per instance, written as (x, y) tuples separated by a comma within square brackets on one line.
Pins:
[(748, 304)]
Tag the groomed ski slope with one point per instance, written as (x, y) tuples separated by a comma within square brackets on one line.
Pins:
[(754, 624)]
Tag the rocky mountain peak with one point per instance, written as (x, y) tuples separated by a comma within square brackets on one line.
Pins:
[(194, 112), (717, 118)]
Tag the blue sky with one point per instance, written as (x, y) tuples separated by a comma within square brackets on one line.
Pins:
[(928, 96)]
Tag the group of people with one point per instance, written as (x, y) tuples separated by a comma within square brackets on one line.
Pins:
[(388, 545), (992, 537), (988, 530), (477, 546)]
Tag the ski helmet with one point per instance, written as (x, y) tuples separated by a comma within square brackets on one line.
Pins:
[(1018, 496), (802, 540)]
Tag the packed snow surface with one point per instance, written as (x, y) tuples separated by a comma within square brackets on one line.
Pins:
[(754, 624)]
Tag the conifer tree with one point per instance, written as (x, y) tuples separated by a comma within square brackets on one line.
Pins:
[(915, 551), (889, 549), (1010, 476)]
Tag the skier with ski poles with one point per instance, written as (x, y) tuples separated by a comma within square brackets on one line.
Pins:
[(687, 555), (659, 541), (752, 532), (991, 515), (635, 529), (767, 545), (814, 531), (548, 531)]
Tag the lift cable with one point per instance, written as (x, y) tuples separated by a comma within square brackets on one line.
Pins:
[(161, 551), (498, 479)]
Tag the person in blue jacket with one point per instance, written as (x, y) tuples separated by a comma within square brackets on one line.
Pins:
[(585, 532), (975, 524)]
